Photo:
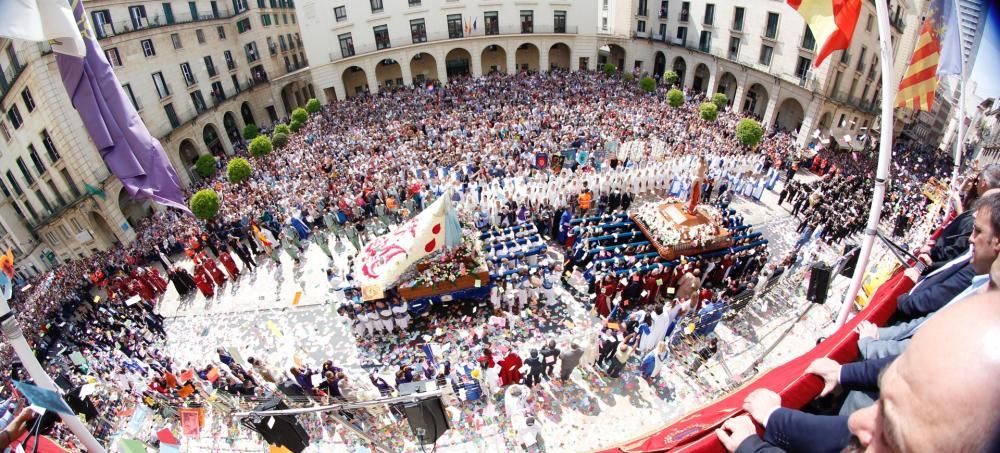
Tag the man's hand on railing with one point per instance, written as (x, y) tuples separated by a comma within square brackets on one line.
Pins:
[(867, 330), (828, 370)]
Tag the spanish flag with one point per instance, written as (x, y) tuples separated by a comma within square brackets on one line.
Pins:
[(832, 23), (938, 51), (260, 236)]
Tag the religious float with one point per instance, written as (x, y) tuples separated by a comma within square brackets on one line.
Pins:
[(677, 227), (426, 259)]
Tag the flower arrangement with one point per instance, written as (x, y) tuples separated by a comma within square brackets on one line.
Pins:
[(669, 234), (447, 265)]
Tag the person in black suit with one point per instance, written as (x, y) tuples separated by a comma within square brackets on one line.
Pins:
[(937, 288), (939, 395), (954, 239)]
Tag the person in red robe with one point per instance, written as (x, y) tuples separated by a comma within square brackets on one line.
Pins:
[(605, 293), (213, 269), (510, 369), (650, 287), (143, 289), (154, 279), (229, 264), (203, 281)]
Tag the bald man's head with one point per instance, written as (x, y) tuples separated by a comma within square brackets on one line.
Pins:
[(942, 393)]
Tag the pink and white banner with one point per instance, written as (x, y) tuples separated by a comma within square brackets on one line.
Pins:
[(381, 263)]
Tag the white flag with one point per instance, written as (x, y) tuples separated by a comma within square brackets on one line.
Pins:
[(42, 20)]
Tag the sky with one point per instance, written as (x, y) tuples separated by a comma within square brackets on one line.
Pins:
[(987, 67)]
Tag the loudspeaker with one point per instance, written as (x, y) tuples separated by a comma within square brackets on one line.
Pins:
[(852, 260), (427, 420), (819, 283), (282, 430)]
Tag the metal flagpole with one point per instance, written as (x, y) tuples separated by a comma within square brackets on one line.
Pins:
[(884, 156), (12, 331), (960, 133)]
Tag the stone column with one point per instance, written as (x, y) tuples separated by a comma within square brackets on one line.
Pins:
[(511, 59), (372, 81), (689, 74), (741, 90), (442, 69), (477, 62), (543, 60), (771, 112), (407, 74), (809, 122), (713, 80)]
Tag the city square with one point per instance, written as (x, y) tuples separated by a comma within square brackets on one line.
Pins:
[(601, 226)]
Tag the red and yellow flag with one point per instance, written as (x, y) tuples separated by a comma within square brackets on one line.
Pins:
[(938, 51), (832, 23), (916, 90)]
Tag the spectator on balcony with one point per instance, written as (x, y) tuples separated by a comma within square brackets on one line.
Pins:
[(985, 239), (950, 367), (953, 240)]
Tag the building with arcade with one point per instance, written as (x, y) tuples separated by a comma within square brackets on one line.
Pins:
[(761, 58), (197, 72)]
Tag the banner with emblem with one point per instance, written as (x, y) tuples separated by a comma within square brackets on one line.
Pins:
[(382, 262)]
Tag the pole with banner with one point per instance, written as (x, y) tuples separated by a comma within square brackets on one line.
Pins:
[(884, 156), (12, 332), (960, 133)]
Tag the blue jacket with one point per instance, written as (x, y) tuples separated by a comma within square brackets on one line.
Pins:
[(936, 290), (792, 430)]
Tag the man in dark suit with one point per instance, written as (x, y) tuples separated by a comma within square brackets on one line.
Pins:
[(939, 395), (794, 430), (934, 290)]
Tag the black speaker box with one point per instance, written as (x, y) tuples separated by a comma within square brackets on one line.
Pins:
[(852, 260), (427, 419), (283, 430), (819, 283)]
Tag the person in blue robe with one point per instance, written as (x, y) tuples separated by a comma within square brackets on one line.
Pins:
[(564, 225), (300, 228)]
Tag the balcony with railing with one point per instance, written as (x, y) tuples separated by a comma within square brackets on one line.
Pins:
[(291, 67), (364, 48), (118, 28), (218, 98), (864, 105)]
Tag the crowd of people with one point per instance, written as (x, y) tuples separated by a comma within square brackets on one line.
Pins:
[(363, 165)]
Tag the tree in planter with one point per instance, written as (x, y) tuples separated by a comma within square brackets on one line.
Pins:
[(279, 140), (282, 128), (749, 132), (205, 204), (238, 170), (709, 111), (296, 125), (250, 132), (260, 146), (670, 78), (647, 84), (609, 69), (300, 114), (313, 106), (720, 100), (205, 165), (675, 97), (628, 77)]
